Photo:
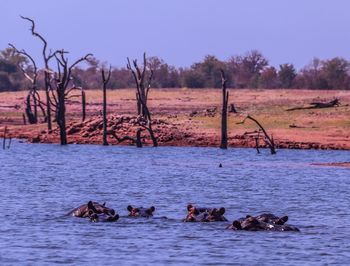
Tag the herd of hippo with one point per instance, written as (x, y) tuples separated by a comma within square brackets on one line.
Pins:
[(97, 212)]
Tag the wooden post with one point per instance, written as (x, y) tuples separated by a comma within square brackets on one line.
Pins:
[(225, 96)]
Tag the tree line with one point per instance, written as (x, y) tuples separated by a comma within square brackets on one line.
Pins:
[(251, 70)]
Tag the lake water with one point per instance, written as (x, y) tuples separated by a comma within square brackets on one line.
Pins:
[(41, 183)]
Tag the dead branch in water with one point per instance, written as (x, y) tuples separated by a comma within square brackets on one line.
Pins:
[(317, 105), (268, 140), (136, 140), (257, 142), (4, 140)]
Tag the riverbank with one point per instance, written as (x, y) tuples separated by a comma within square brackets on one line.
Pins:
[(191, 117)]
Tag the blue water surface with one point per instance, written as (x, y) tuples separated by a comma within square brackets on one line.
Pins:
[(40, 183)]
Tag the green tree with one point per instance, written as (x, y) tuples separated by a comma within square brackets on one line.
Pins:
[(334, 71), (207, 73), (246, 70), (268, 78), (5, 83), (11, 76), (286, 75)]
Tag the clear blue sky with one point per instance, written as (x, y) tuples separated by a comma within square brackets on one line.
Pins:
[(182, 31)]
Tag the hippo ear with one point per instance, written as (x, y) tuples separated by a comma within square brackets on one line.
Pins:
[(150, 210), (91, 207), (129, 208), (248, 216), (213, 211), (104, 204), (189, 207), (222, 211), (237, 224), (282, 220)]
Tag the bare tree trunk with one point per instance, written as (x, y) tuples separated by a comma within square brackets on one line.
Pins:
[(83, 104), (138, 104), (104, 116), (30, 115), (105, 80), (61, 117), (35, 107), (138, 138), (151, 133), (225, 96), (48, 104)]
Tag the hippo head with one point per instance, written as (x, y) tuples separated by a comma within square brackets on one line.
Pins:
[(195, 214), (261, 223), (236, 225), (141, 212), (272, 219), (216, 215), (94, 217), (99, 208), (251, 224), (100, 213)]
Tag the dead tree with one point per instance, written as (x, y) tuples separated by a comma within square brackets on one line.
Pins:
[(268, 140), (105, 80), (225, 95), (142, 90), (33, 94), (47, 56), (82, 95), (83, 105), (61, 93), (137, 140)]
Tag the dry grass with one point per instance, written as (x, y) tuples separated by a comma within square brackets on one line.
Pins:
[(330, 125)]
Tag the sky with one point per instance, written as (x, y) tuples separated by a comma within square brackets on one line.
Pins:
[(181, 32)]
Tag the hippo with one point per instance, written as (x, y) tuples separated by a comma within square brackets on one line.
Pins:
[(272, 219), (140, 211), (196, 214), (94, 217), (96, 212), (262, 222)]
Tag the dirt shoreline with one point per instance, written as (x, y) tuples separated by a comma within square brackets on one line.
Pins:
[(186, 117)]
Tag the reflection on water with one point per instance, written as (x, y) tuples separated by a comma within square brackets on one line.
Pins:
[(41, 183)]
